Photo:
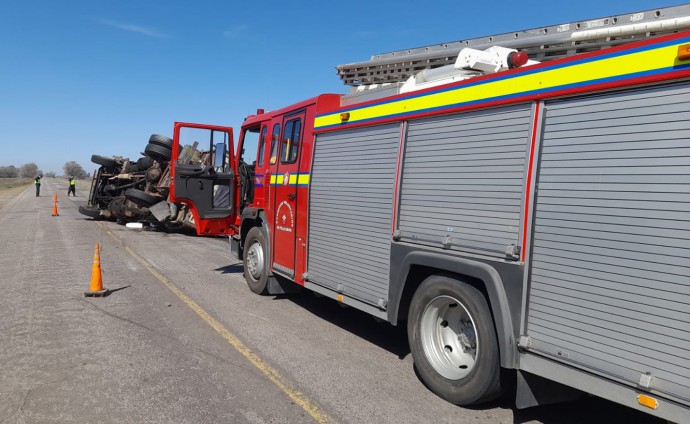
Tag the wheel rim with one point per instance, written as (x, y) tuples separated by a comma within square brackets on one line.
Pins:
[(449, 338), (255, 260)]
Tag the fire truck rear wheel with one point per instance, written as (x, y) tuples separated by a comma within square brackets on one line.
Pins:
[(256, 261), (453, 341)]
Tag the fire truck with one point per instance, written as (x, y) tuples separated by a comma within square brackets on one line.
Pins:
[(521, 202)]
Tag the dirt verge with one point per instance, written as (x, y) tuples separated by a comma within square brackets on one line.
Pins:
[(10, 187)]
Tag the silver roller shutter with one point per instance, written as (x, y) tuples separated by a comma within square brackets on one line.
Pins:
[(350, 210), (463, 177), (610, 274)]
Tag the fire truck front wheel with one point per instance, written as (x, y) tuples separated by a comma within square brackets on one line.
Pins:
[(256, 261), (453, 342)]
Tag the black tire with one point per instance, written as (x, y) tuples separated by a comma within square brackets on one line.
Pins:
[(144, 163), (131, 168), (161, 140), (90, 212), (153, 175), (255, 260), (159, 153), (448, 315), (103, 161), (140, 197), (116, 207)]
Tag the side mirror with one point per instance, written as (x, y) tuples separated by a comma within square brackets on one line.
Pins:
[(219, 158)]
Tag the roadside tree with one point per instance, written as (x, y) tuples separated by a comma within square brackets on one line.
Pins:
[(73, 168), (9, 172), (29, 170)]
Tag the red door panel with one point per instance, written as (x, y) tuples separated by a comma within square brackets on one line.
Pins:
[(204, 175), (284, 180)]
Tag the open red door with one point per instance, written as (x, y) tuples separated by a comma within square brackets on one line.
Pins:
[(204, 176)]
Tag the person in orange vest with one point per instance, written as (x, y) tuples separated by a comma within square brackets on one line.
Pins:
[(72, 188), (37, 182)]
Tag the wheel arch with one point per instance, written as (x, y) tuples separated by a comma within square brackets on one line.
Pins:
[(416, 266), (254, 217)]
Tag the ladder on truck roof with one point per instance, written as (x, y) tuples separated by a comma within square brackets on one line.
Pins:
[(542, 44)]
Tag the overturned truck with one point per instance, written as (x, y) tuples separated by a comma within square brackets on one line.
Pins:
[(127, 190)]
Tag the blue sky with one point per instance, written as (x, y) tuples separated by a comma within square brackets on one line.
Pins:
[(83, 77)]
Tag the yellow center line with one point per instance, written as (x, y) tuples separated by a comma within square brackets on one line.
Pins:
[(271, 373)]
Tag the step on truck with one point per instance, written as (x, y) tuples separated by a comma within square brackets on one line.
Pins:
[(520, 201)]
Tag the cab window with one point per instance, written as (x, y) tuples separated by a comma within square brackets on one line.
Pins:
[(250, 144), (291, 141), (275, 136), (262, 147), (199, 146)]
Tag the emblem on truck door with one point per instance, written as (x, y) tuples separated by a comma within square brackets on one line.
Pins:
[(285, 217)]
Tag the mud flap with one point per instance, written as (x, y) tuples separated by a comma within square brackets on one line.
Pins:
[(279, 285), (533, 390)]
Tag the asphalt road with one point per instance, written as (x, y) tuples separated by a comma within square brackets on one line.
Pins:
[(182, 340)]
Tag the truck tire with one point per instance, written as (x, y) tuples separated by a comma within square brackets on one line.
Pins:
[(256, 261), (103, 161), (453, 341), (94, 213), (116, 207), (140, 197), (131, 168), (144, 163), (159, 153), (161, 140)]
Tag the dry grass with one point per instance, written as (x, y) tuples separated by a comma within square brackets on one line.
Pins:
[(10, 187)]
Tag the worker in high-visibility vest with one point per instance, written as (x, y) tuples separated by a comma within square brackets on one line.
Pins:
[(72, 186), (37, 182)]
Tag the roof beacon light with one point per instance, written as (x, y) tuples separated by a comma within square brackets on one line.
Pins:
[(517, 59)]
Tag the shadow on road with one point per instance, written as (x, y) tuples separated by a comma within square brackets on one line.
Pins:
[(231, 269), (383, 335), (589, 409), (118, 289), (594, 410)]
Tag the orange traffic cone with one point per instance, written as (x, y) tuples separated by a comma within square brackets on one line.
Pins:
[(97, 289), (55, 212)]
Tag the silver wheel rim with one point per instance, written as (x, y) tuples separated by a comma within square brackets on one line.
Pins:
[(449, 338), (255, 260)]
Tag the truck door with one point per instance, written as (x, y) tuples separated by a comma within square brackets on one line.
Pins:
[(203, 174), (284, 183)]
